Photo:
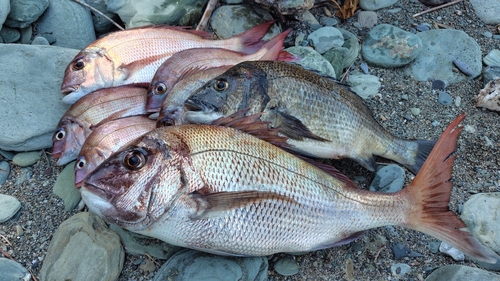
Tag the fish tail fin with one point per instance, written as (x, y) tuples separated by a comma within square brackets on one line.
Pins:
[(274, 49), (428, 196), (250, 40)]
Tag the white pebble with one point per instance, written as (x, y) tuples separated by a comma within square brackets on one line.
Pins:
[(458, 101), (452, 252)]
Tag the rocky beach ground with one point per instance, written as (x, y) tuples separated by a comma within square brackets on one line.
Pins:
[(405, 105)]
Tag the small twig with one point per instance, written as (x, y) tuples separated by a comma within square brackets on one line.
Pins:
[(207, 14), (378, 253), (6, 240), (343, 76), (152, 259), (99, 12), (436, 8)]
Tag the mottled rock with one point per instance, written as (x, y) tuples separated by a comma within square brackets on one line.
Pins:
[(63, 27), (390, 46), (389, 178), (230, 20), (25, 159), (64, 187), (13, 271), (435, 60), (311, 59), (30, 105), (461, 273), (286, 7), (325, 38), (372, 5), (140, 13), (24, 12), (286, 266), (400, 269), (4, 171), (190, 265), (364, 85), (100, 255), (136, 244), (487, 10), (8, 207)]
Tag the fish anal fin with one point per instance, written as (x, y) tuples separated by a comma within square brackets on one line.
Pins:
[(254, 126), (218, 204), (428, 195), (293, 128)]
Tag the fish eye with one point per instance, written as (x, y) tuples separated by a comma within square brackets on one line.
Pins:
[(134, 160), (221, 85), (78, 65), (80, 163), (160, 89), (60, 134)]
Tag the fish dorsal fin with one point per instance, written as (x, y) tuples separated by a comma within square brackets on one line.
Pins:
[(201, 33), (252, 125)]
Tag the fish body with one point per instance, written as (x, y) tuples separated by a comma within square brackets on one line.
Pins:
[(193, 60), (223, 191), (76, 124), (106, 139), (134, 55), (320, 117)]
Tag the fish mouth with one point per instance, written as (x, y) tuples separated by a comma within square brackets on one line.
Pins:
[(191, 105), (69, 89)]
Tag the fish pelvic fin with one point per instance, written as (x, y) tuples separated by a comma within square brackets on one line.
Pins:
[(250, 40), (428, 196)]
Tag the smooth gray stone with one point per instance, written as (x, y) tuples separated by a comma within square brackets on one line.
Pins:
[(83, 248), (492, 58), (75, 30), (389, 178), (26, 34), (9, 34), (336, 57), (490, 73), (364, 85), (400, 269), (286, 266), (461, 273), (24, 12), (4, 171), (286, 7), (101, 24), (481, 214), (7, 154), (367, 19), (39, 40), (171, 12), (64, 187), (36, 99), (325, 38), (230, 20), (9, 206), (190, 265), (435, 60), (351, 43), (449, 250), (372, 5), (13, 271), (390, 46), (137, 244), (25, 159), (444, 98), (311, 59), (487, 10), (4, 11)]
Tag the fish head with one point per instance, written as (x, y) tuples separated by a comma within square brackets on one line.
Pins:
[(242, 86), (161, 85), (86, 163), (68, 140), (135, 185), (90, 70)]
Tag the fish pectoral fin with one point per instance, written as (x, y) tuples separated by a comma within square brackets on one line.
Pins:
[(129, 69), (293, 128), (218, 204)]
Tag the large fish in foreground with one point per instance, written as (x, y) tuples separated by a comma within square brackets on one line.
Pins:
[(320, 117), (133, 55), (220, 190)]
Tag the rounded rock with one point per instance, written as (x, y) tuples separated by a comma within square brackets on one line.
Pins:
[(326, 38), (444, 98), (9, 206), (4, 171), (9, 34), (24, 12), (461, 273), (372, 5), (492, 58), (286, 266), (25, 159), (388, 179), (364, 85), (11, 270), (312, 60)]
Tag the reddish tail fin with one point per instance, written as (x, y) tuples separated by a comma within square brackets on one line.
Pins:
[(429, 194), (274, 47), (251, 39)]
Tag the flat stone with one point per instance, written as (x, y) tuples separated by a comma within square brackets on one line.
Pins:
[(39, 40), (198, 266), (402, 251), (170, 12), (389, 178), (435, 60), (24, 12), (390, 46), (311, 59), (372, 5), (326, 38), (21, 105), (286, 266), (4, 171), (137, 244), (461, 273), (13, 271), (25, 159), (4, 11), (230, 20), (62, 19), (64, 187), (364, 85), (487, 10), (83, 248), (8, 207), (367, 19)]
